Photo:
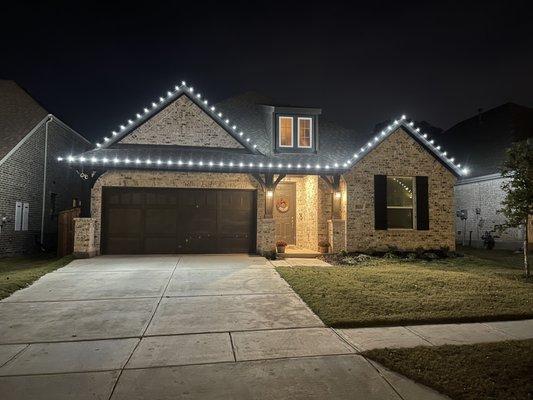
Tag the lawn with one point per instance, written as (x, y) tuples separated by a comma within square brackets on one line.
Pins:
[(384, 291), (19, 272), (482, 371)]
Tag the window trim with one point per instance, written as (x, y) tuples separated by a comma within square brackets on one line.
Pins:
[(279, 131), (412, 207), (310, 132)]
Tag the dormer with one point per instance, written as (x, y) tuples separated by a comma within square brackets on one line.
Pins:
[(294, 129)]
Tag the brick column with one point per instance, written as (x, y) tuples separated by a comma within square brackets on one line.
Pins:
[(84, 238), (337, 234)]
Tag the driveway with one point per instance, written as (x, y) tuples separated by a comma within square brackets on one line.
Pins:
[(168, 327)]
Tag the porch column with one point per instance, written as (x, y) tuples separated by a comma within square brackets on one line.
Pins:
[(334, 184), (268, 183), (337, 234)]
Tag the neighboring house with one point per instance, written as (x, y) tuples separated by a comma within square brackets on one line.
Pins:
[(482, 141), (33, 188), (186, 176)]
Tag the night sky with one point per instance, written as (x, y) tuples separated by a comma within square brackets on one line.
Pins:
[(95, 66)]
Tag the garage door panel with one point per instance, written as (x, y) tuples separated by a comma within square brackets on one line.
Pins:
[(124, 221), (123, 245), (161, 221), (153, 220)]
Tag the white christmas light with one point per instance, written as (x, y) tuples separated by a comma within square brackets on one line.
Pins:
[(148, 161)]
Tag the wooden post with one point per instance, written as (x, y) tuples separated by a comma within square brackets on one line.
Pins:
[(269, 186)]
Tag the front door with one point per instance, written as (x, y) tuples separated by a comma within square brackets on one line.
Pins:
[(285, 212)]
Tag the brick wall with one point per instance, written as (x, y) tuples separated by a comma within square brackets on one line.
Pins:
[(182, 123), (486, 196), (21, 179), (167, 179), (398, 155)]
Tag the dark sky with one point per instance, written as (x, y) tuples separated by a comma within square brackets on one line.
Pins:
[(96, 65)]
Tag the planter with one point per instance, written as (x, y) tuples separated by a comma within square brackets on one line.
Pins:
[(323, 249), (280, 249)]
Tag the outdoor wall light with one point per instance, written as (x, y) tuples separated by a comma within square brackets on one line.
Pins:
[(270, 193)]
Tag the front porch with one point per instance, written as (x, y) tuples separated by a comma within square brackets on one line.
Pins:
[(305, 211)]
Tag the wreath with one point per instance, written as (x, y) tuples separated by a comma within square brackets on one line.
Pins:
[(282, 205)]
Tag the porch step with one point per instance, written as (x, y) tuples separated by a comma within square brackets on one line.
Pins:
[(293, 253)]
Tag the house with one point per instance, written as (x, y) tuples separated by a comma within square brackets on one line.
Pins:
[(33, 187), (186, 176), (482, 141)]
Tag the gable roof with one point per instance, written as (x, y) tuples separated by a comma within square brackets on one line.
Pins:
[(19, 114), (482, 140), (172, 95), (339, 148)]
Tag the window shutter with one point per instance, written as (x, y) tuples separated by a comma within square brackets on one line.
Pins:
[(422, 203), (380, 202)]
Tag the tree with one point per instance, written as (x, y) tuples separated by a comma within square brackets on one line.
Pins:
[(517, 206)]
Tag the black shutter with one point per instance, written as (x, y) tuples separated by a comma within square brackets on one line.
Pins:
[(422, 203), (380, 202)]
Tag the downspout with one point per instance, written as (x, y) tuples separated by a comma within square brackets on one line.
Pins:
[(43, 209)]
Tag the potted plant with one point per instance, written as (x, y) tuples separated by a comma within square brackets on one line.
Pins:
[(280, 246), (323, 246)]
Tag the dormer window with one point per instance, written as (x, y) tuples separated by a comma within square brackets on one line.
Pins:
[(295, 133), (305, 133), (286, 132)]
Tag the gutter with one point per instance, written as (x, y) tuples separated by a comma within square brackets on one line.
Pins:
[(43, 209)]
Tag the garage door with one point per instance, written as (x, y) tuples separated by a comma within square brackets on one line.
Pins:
[(158, 221)]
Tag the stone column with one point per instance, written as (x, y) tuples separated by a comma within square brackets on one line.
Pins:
[(84, 238), (266, 235), (337, 234)]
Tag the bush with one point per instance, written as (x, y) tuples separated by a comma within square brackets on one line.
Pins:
[(281, 243)]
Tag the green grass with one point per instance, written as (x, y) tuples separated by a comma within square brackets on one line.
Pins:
[(499, 371), (506, 258), (18, 272), (391, 292)]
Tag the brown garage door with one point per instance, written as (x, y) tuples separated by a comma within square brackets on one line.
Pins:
[(157, 221)]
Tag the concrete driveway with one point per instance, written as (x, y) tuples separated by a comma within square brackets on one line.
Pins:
[(168, 327)]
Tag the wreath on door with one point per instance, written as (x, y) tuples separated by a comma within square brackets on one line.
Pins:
[(282, 205)]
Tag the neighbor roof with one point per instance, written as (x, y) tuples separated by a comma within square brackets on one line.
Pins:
[(483, 139), (19, 114), (244, 118)]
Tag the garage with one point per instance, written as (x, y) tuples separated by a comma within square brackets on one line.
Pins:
[(167, 221)]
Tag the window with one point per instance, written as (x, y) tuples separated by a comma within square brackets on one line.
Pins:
[(285, 131), (305, 132), (400, 202)]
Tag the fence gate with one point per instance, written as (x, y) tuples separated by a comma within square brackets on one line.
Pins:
[(65, 231)]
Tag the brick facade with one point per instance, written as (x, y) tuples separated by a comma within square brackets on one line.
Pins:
[(21, 179), (398, 155), (481, 198), (182, 123)]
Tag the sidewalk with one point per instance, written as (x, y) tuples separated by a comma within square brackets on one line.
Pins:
[(364, 339)]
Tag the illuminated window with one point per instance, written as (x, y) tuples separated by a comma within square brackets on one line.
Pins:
[(305, 131), (285, 132), (400, 203)]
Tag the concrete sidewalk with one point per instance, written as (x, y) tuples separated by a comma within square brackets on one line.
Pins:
[(436, 334), (188, 327)]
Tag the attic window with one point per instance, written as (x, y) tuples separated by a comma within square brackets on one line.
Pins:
[(305, 131), (295, 133), (285, 131)]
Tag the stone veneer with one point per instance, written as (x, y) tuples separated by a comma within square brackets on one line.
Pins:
[(398, 155), (84, 246), (169, 179), (182, 123)]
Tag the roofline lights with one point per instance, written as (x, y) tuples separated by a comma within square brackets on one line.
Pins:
[(163, 101)]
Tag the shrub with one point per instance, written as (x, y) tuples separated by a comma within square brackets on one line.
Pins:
[(281, 243)]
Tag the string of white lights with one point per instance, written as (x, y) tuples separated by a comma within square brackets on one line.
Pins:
[(212, 111), (171, 95)]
